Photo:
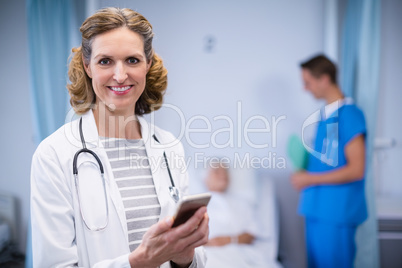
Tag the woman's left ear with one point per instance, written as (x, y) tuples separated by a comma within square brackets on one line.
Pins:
[(149, 65)]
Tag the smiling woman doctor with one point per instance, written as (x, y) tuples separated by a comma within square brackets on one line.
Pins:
[(102, 193)]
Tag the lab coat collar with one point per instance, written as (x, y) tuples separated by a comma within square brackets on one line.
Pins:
[(91, 134)]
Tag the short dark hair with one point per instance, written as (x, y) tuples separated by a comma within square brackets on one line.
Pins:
[(320, 65)]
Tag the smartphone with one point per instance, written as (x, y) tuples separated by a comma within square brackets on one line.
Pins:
[(188, 205)]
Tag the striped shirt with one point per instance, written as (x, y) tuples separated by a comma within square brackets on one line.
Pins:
[(132, 173)]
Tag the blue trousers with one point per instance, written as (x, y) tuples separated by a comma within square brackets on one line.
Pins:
[(329, 244)]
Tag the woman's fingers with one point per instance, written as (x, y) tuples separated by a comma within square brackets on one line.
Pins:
[(196, 236), (179, 242), (200, 236), (189, 232), (190, 225), (154, 247), (160, 227)]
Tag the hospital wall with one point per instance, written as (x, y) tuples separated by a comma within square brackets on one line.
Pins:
[(17, 134), (228, 63), (388, 153)]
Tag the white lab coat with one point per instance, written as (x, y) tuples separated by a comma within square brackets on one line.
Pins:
[(59, 236)]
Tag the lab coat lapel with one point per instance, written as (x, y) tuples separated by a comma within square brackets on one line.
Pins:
[(155, 155), (93, 143)]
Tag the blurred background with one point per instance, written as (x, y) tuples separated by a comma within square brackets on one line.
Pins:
[(235, 91)]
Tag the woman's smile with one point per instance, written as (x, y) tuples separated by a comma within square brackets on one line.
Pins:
[(120, 90)]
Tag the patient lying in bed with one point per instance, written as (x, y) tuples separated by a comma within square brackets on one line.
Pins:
[(234, 225)]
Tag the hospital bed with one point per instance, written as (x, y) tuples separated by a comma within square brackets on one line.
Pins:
[(259, 192)]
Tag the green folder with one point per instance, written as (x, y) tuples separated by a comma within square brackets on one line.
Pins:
[(297, 153)]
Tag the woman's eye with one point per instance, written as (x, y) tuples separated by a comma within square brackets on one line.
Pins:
[(104, 61), (132, 60)]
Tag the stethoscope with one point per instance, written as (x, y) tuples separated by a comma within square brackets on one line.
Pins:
[(173, 190)]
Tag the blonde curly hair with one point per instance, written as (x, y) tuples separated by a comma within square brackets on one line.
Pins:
[(82, 95)]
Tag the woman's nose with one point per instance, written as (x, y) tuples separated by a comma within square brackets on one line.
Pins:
[(120, 73)]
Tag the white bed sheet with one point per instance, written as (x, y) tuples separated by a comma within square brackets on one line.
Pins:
[(249, 197)]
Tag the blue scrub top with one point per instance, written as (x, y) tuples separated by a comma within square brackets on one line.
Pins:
[(339, 203)]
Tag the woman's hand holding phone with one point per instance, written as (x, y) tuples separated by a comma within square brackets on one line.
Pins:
[(163, 242), (191, 234)]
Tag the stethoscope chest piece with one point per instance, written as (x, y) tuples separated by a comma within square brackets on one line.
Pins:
[(174, 193), (173, 190)]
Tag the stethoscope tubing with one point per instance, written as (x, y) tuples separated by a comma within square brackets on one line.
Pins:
[(166, 162), (77, 186)]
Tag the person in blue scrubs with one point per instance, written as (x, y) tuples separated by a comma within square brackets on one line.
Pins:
[(332, 196)]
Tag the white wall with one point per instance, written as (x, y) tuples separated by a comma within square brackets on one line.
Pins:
[(389, 126), (17, 144)]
